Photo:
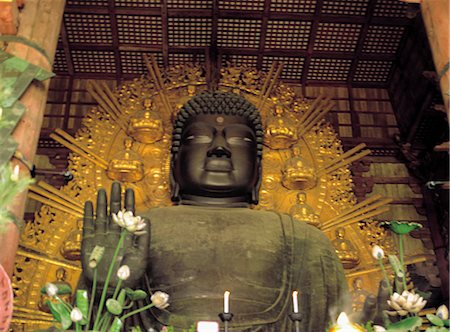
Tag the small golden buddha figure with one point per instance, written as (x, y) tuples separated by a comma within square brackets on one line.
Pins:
[(304, 212), (297, 173), (281, 131), (146, 125), (358, 294), (126, 165), (64, 291), (345, 250), (71, 248)]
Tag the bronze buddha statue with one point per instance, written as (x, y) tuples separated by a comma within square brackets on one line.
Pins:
[(212, 241)]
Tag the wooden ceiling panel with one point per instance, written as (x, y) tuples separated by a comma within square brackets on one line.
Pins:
[(288, 35), (337, 37), (320, 41), (294, 6), (238, 33)]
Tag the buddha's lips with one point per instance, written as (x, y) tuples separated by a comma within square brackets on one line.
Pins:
[(218, 165)]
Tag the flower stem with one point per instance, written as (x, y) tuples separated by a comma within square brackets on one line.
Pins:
[(67, 305), (116, 291), (108, 277), (91, 304), (77, 327), (380, 260), (134, 312), (400, 245)]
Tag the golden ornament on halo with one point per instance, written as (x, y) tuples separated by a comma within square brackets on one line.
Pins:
[(146, 126), (304, 212), (345, 250), (297, 173), (126, 166), (71, 248), (281, 131)]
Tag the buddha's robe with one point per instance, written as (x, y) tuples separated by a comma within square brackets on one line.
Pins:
[(196, 253)]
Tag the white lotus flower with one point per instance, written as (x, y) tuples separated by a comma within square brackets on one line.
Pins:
[(15, 174), (442, 312), (406, 303), (378, 328), (133, 224), (76, 315), (51, 289), (123, 272), (377, 252), (160, 300)]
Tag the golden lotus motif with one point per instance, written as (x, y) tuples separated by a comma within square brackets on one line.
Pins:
[(298, 173), (146, 126), (126, 166)]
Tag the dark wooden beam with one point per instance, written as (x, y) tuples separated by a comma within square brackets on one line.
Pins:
[(68, 103), (115, 40), (165, 33), (263, 33), (353, 114), (66, 48)]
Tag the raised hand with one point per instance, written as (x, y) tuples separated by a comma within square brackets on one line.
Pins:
[(103, 231)]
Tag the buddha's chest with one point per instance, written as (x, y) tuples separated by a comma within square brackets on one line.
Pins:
[(217, 247)]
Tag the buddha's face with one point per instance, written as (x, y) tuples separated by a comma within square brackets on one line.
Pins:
[(217, 157)]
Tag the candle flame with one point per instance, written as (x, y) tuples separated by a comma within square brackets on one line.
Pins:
[(343, 319)]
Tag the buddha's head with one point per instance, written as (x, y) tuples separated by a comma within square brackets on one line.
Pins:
[(216, 151)]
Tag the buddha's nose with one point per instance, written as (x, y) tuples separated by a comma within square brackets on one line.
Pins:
[(219, 148)]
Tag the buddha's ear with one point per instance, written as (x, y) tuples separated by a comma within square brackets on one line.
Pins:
[(174, 186), (255, 191)]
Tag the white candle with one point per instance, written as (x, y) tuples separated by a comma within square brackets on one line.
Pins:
[(226, 302), (295, 301)]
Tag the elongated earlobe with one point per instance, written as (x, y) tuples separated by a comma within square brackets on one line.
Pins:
[(255, 190), (174, 187)]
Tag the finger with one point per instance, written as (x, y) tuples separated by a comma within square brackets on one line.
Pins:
[(369, 309), (142, 241), (102, 210), (383, 294), (129, 200), (115, 203), (88, 218)]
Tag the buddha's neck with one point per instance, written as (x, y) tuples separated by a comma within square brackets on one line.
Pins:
[(226, 202)]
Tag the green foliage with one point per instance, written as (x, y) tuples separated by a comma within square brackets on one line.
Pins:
[(406, 325), (113, 307), (61, 314), (116, 325), (82, 303)]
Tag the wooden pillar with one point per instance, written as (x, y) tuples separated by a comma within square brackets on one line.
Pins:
[(435, 14), (40, 22)]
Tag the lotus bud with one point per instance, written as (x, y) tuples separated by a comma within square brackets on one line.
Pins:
[(123, 272), (96, 256), (377, 252), (160, 300), (15, 174), (51, 289), (442, 312), (76, 315)]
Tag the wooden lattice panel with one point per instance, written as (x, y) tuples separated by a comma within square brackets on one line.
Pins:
[(241, 5), (90, 61), (337, 37), (390, 8), (239, 33), (177, 58), (87, 2), (99, 31), (293, 6), (189, 4), (292, 69), (338, 7), (139, 29), (288, 34), (241, 60), (329, 69), (372, 71), (383, 39), (133, 62), (137, 3), (189, 31), (60, 63)]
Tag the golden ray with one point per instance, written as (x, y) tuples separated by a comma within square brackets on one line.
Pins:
[(41, 257), (366, 209), (54, 204), (269, 83), (61, 194), (155, 73), (54, 196), (317, 113), (77, 147), (22, 312), (105, 99)]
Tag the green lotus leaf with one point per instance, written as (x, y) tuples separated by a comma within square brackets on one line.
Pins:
[(138, 294), (401, 227), (114, 307), (407, 324), (435, 320), (82, 302)]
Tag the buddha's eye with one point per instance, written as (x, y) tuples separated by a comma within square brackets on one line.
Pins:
[(239, 140), (198, 139)]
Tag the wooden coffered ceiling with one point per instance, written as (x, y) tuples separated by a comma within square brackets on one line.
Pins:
[(352, 42)]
